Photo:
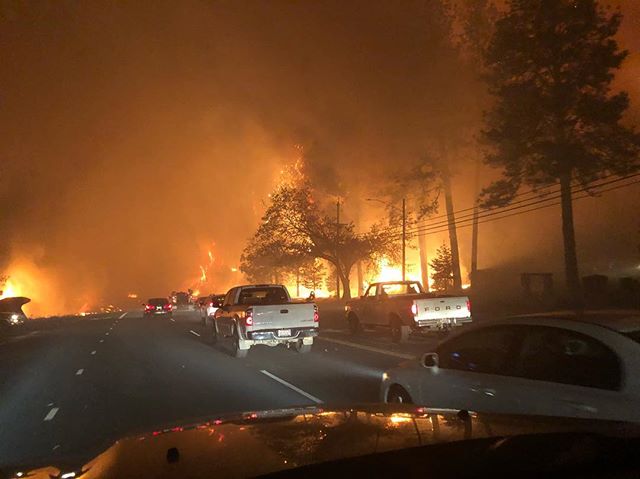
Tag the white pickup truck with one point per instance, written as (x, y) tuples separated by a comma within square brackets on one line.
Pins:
[(263, 314), (403, 306)]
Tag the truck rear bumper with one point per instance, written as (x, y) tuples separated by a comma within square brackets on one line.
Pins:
[(444, 323), (270, 336)]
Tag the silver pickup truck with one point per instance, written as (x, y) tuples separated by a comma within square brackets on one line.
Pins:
[(263, 314), (403, 306)]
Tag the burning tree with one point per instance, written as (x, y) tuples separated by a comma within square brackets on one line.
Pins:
[(555, 121), (312, 274), (294, 227), (442, 269)]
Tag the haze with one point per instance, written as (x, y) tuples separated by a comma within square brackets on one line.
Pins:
[(138, 136)]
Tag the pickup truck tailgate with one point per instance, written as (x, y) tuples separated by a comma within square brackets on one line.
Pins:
[(281, 316), (446, 307)]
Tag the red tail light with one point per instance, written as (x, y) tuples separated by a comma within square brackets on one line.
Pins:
[(211, 305), (248, 319), (167, 307), (469, 305), (148, 307), (316, 316), (414, 309)]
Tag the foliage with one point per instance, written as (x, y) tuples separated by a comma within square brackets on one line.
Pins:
[(555, 120), (312, 274), (294, 228), (442, 269), (550, 67)]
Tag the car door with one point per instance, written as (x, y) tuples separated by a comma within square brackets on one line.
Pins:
[(473, 371), (562, 372), (366, 313), (223, 315)]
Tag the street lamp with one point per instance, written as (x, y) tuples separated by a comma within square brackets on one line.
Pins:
[(404, 231)]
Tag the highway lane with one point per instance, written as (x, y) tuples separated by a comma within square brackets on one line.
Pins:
[(69, 391)]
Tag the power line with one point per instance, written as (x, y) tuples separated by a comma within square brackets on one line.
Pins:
[(467, 223), (525, 203), (538, 194)]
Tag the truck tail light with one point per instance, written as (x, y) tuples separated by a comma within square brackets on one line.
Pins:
[(414, 309), (316, 316), (148, 307), (248, 318), (469, 305), (168, 307)]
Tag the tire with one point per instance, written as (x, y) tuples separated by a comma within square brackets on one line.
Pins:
[(301, 347), (211, 333), (236, 352), (399, 332), (354, 324), (398, 395)]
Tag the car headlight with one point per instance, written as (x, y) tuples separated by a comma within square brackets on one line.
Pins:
[(14, 318), (385, 376)]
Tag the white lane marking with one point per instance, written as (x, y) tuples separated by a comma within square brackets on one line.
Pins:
[(93, 353), (193, 332), (51, 414), (171, 319), (101, 341), (291, 386), (368, 348), (107, 333), (122, 315), (79, 372)]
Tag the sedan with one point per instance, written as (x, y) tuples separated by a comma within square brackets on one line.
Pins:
[(585, 366), (158, 306)]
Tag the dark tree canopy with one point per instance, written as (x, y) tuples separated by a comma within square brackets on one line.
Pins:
[(555, 119)]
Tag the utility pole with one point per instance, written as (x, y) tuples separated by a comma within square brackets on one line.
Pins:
[(337, 247), (404, 239)]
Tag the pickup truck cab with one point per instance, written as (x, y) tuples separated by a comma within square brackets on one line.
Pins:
[(263, 314), (403, 306)]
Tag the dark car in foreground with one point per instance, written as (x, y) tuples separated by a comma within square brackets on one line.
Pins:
[(158, 306), (373, 441)]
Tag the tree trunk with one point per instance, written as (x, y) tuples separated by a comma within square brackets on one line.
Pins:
[(360, 279), (568, 233), (453, 233), (424, 260), (346, 286)]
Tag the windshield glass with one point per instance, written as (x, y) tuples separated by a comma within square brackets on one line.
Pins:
[(401, 288), (211, 208), (255, 296), (158, 301)]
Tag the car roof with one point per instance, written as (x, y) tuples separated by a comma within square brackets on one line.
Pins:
[(622, 321), (159, 299)]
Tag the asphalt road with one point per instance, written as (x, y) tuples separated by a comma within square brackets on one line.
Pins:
[(71, 388)]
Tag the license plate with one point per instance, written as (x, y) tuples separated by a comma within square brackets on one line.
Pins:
[(282, 333)]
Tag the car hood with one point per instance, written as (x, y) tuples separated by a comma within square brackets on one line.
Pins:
[(261, 442)]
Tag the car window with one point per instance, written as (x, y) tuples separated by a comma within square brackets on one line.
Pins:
[(266, 295), (488, 350), (228, 300), (394, 289), (568, 357), (158, 301)]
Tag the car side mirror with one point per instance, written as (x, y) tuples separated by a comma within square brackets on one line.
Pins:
[(430, 360)]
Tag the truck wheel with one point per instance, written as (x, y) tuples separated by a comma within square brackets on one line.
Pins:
[(211, 333), (354, 324), (398, 395), (301, 347), (399, 332), (236, 351)]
